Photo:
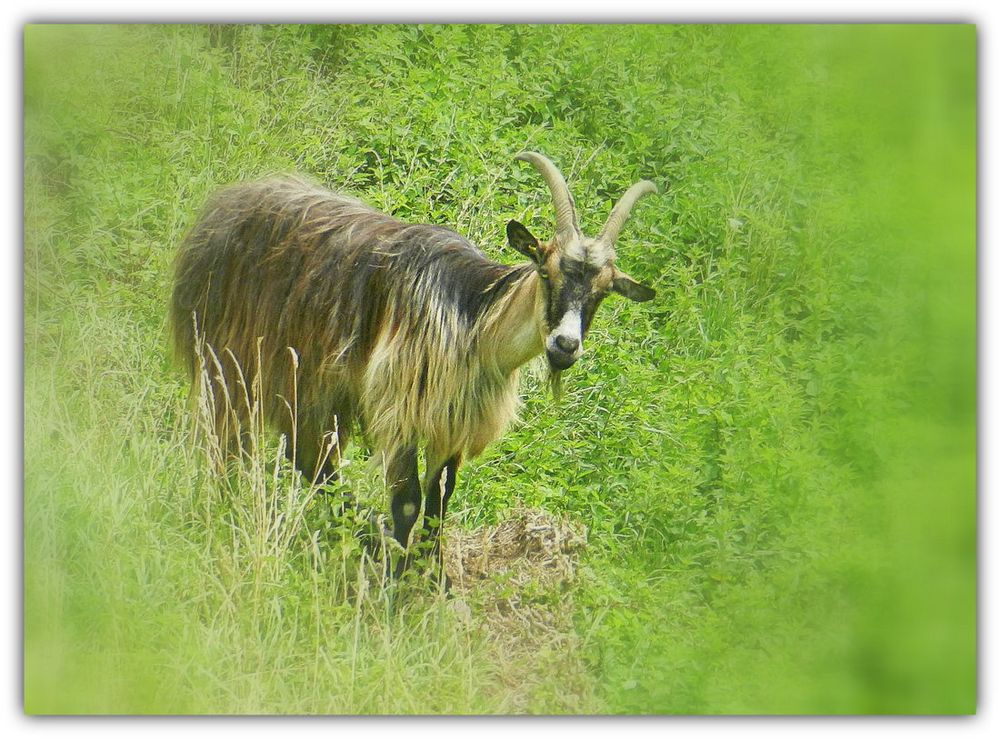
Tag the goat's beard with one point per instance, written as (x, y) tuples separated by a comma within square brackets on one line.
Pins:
[(555, 382)]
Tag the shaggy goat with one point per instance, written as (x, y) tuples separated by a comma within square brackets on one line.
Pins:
[(407, 333)]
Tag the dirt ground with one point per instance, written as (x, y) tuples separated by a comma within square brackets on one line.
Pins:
[(513, 580)]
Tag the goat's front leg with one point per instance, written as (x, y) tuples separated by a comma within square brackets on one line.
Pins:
[(440, 485), (404, 486)]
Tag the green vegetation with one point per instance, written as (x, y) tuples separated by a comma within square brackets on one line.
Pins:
[(775, 459)]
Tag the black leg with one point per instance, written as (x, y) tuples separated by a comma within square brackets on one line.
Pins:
[(313, 459), (404, 486), (440, 486), (317, 462), (324, 474)]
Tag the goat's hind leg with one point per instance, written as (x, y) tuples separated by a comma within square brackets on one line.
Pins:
[(316, 460)]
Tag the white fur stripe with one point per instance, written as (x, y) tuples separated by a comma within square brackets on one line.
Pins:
[(571, 326)]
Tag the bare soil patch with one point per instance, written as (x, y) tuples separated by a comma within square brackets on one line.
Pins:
[(516, 578)]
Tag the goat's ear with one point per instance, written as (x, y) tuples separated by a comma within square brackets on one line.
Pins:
[(625, 285), (521, 239)]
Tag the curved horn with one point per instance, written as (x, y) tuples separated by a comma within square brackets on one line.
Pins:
[(621, 210), (566, 223)]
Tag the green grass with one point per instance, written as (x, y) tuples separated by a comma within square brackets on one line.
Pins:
[(775, 459)]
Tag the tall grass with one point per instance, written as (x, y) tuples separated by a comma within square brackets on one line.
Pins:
[(242, 571), (775, 459)]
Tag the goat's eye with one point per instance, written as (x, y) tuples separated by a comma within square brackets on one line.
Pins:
[(543, 274)]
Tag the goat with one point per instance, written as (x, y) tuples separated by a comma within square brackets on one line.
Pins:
[(406, 333)]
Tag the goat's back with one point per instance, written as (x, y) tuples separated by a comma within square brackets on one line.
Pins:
[(252, 264)]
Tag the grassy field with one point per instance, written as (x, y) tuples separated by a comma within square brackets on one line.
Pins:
[(774, 461)]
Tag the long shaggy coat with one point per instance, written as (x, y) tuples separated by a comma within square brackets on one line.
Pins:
[(391, 323)]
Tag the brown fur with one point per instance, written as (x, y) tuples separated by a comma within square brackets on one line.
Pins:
[(385, 338)]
